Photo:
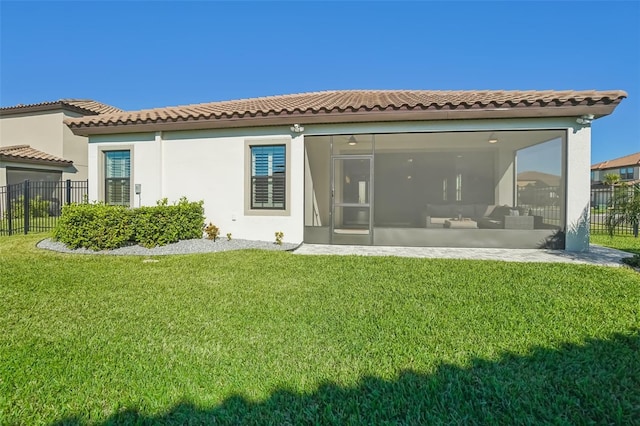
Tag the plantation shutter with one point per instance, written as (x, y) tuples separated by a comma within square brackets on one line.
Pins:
[(117, 177), (268, 177)]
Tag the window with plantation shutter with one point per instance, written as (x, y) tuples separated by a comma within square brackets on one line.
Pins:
[(268, 177), (117, 169)]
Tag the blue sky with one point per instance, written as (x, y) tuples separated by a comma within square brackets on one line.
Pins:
[(149, 54)]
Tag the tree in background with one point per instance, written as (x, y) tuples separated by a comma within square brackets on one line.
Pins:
[(625, 208), (611, 179)]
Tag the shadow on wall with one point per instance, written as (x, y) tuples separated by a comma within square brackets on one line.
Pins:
[(576, 237), (556, 241), (594, 382)]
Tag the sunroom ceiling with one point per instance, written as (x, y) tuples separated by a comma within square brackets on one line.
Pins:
[(446, 141)]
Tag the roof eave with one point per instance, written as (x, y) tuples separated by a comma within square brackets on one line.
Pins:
[(13, 159), (310, 117), (602, 168), (45, 108)]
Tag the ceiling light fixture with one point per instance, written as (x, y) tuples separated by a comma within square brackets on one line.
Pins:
[(493, 138), (352, 140)]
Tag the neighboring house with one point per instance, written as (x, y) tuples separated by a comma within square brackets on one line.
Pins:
[(35, 143), (627, 168), (381, 167), (539, 189)]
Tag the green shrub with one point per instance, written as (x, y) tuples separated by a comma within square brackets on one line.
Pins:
[(37, 208), (98, 226), (94, 226), (164, 224)]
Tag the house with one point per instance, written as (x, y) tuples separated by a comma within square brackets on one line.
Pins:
[(627, 168), (364, 167), (35, 144)]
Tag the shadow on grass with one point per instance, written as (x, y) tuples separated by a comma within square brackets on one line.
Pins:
[(595, 382), (626, 242)]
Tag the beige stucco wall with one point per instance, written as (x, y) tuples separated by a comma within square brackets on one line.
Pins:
[(47, 132), (75, 148), (42, 131)]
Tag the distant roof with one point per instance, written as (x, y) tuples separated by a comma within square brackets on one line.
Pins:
[(82, 106), (26, 154), (626, 161), (341, 106), (533, 176)]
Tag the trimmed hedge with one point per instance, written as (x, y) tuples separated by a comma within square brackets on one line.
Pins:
[(164, 224), (99, 226)]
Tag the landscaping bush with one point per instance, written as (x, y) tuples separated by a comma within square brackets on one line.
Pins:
[(94, 226), (37, 208), (164, 224), (99, 227)]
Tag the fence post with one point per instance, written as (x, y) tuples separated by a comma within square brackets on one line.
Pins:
[(9, 210), (68, 194), (26, 206)]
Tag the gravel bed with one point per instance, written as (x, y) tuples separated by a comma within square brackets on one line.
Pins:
[(181, 247)]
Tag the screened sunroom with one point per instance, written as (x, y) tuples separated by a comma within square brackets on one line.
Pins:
[(439, 189)]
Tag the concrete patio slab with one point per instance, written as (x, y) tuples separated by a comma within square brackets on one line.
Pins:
[(597, 255)]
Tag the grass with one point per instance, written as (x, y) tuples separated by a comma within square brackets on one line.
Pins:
[(37, 224), (621, 242), (272, 338)]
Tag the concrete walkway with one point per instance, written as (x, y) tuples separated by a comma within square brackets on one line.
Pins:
[(597, 255)]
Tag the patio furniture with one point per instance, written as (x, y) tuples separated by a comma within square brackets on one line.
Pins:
[(464, 223)]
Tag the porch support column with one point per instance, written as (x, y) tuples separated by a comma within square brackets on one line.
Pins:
[(505, 173), (578, 189)]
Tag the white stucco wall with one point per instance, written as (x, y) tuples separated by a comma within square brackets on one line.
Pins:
[(145, 167), (578, 169), (210, 165), (212, 168)]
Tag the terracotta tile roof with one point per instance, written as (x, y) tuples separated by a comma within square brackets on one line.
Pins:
[(83, 106), (359, 105), (626, 161), (524, 178), (24, 153)]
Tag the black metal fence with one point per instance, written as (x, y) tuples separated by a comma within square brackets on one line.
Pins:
[(604, 206), (543, 201), (35, 206)]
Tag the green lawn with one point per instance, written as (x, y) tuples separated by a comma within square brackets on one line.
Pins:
[(273, 338), (621, 242)]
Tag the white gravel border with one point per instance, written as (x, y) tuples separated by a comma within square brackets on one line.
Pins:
[(182, 247)]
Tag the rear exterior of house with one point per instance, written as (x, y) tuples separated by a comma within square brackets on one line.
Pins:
[(410, 168)]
